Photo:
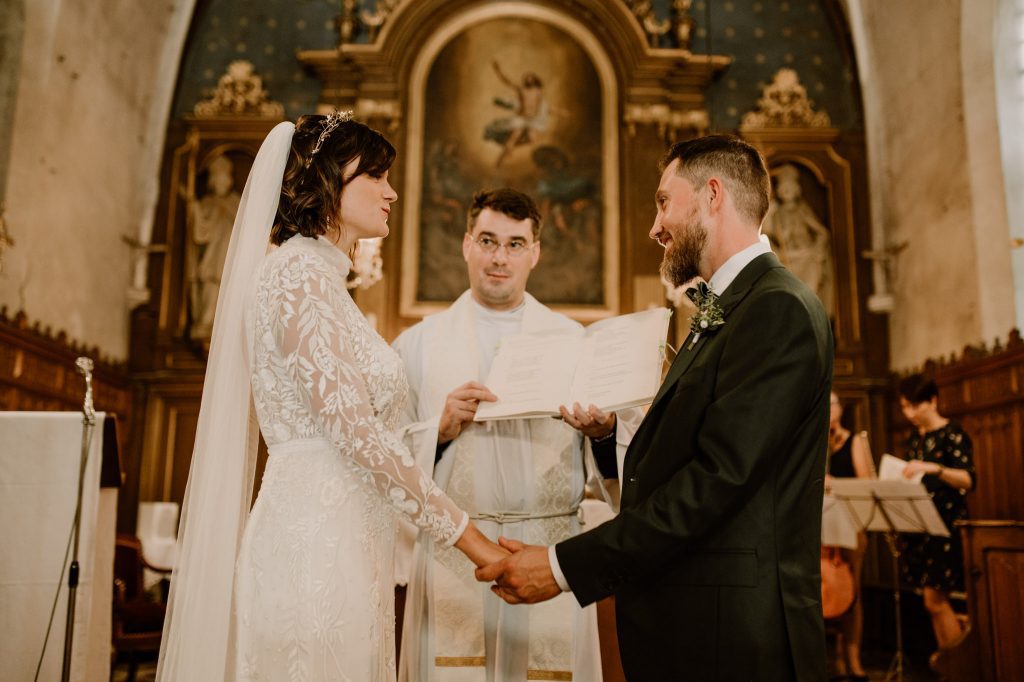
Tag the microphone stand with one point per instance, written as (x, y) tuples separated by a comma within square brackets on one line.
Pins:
[(84, 366)]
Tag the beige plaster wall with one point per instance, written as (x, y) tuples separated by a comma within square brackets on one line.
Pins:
[(936, 174), (997, 309), (92, 103)]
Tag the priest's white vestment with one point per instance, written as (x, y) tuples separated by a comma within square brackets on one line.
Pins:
[(521, 479)]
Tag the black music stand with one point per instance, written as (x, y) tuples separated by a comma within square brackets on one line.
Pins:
[(890, 507)]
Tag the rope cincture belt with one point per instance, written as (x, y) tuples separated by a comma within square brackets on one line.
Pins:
[(517, 516)]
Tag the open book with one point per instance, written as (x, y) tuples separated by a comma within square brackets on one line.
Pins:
[(614, 364)]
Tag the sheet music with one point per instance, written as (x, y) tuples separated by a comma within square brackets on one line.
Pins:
[(837, 528), (614, 363), (891, 469), (906, 504)]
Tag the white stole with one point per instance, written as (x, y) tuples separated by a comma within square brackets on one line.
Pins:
[(449, 357)]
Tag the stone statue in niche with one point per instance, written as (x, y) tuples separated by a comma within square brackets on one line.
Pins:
[(799, 238), (212, 219)]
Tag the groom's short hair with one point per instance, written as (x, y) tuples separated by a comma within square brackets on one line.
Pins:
[(740, 166), (510, 202)]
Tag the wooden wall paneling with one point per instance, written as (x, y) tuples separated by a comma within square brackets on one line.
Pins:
[(990, 650), (1005, 568), (37, 371)]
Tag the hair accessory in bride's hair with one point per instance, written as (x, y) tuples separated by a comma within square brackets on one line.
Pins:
[(333, 120)]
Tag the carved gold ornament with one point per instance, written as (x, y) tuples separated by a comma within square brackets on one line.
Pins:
[(239, 92), (784, 104)]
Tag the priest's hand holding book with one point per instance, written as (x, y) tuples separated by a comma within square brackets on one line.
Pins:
[(460, 408), (592, 422)]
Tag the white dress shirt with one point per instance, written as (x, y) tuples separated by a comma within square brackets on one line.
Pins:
[(720, 281)]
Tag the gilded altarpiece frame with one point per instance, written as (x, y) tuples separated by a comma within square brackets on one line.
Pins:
[(648, 96), (538, 113)]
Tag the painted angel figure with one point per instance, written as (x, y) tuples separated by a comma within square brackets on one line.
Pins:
[(531, 113)]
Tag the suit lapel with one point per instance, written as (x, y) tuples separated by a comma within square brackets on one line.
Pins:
[(683, 360), (732, 296)]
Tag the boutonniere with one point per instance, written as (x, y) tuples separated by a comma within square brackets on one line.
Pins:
[(709, 315)]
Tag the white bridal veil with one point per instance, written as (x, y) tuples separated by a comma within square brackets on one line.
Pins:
[(197, 640)]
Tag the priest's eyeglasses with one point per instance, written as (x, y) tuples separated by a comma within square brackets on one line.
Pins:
[(514, 247)]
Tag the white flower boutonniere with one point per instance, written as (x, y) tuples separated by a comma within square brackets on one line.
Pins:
[(709, 315)]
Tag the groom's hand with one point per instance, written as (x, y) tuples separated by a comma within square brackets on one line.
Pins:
[(523, 578)]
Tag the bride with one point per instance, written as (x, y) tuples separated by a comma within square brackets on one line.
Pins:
[(300, 588)]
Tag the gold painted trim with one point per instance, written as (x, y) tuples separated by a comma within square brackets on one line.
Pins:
[(409, 305), (172, 436), (183, 155), (480, 661), (460, 661)]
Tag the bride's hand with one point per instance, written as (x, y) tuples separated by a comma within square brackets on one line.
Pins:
[(491, 553), (478, 548)]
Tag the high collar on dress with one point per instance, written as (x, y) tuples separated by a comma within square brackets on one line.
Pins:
[(331, 253)]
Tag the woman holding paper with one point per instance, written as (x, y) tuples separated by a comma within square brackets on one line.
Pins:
[(849, 457), (943, 452)]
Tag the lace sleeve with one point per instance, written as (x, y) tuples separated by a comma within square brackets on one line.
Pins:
[(321, 364)]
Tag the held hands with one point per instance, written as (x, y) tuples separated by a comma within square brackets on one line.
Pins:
[(479, 549), (524, 577), (460, 408), (592, 422)]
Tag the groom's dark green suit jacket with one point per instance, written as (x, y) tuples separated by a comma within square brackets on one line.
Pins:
[(714, 556)]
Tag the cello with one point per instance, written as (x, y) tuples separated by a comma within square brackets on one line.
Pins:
[(837, 585)]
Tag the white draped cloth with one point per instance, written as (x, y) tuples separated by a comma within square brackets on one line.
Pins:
[(39, 465), (521, 479)]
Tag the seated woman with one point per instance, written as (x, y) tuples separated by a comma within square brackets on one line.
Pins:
[(849, 457), (942, 450)]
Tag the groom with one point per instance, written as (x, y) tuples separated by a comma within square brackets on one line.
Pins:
[(714, 558)]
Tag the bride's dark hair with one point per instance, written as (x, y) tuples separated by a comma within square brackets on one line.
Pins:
[(313, 182)]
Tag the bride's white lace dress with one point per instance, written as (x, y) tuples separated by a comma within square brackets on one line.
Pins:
[(313, 589)]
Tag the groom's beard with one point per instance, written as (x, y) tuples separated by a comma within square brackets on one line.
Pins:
[(681, 262)]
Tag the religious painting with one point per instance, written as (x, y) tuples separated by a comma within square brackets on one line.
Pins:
[(514, 101)]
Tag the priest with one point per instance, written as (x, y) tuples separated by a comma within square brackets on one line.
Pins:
[(520, 479)]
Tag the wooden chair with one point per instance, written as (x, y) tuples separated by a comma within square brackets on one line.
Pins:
[(138, 620)]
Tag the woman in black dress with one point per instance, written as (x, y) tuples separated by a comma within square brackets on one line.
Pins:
[(849, 457), (943, 452)]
